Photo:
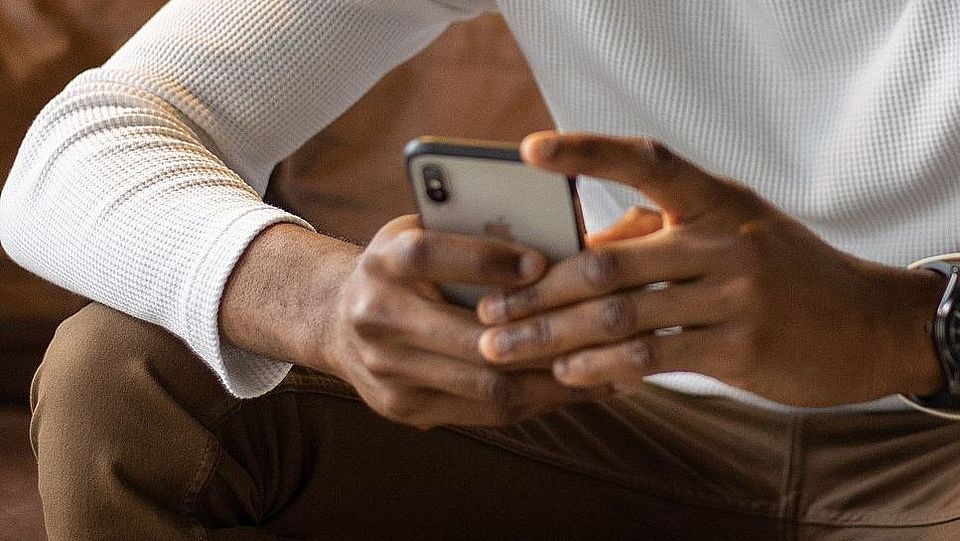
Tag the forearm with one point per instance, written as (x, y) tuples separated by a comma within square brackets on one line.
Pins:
[(139, 185), (280, 298)]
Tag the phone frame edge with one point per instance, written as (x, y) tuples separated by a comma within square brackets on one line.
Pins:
[(489, 150)]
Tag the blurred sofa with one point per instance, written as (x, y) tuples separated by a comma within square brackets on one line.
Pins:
[(338, 180)]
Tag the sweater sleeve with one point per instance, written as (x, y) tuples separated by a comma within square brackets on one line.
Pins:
[(140, 185)]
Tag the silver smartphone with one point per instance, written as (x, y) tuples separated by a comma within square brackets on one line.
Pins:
[(484, 188)]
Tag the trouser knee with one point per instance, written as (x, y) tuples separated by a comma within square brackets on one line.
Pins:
[(120, 414)]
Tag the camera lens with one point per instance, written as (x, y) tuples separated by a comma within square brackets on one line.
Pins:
[(435, 182)]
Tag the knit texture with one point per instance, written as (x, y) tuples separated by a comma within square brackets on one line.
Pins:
[(139, 186)]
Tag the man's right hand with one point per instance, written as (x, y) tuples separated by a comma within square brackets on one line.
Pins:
[(414, 357), (381, 324)]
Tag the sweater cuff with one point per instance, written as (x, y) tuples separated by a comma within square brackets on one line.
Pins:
[(951, 414), (243, 374)]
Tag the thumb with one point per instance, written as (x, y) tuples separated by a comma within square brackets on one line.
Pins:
[(682, 190), (636, 222)]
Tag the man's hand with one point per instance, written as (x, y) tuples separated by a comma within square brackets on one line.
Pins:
[(376, 319), (763, 303), (415, 357)]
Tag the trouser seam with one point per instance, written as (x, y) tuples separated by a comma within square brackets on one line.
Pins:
[(792, 481), (326, 383), (880, 526)]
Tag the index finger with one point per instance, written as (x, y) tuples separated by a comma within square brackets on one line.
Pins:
[(678, 187), (440, 257), (597, 272)]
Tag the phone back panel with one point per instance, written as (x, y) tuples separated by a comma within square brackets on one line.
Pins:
[(501, 198)]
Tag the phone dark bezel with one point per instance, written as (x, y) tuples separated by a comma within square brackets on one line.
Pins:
[(488, 150)]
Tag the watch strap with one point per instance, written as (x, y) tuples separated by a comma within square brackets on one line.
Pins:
[(948, 398)]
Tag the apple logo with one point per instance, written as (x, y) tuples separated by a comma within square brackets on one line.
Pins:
[(499, 229)]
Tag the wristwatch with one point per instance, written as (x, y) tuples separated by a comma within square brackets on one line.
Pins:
[(945, 332)]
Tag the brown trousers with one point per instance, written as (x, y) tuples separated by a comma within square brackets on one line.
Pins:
[(137, 440)]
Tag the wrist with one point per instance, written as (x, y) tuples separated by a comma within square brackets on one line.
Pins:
[(921, 373), (280, 298)]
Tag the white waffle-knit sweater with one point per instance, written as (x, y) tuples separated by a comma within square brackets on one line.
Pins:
[(139, 186)]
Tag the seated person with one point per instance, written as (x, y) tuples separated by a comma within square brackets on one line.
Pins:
[(244, 377)]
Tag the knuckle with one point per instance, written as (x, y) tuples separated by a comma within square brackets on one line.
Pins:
[(656, 153), (521, 301), (749, 293), (494, 388), (426, 424), (497, 261), (469, 341), (600, 270), (537, 333), (397, 404), (377, 365), (753, 239), (542, 331), (410, 251), (591, 149), (690, 244), (638, 355), (370, 315), (741, 288), (386, 233), (507, 403), (618, 315), (680, 241), (373, 261), (720, 302)]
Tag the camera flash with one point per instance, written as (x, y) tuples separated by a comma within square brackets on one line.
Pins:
[(434, 184)]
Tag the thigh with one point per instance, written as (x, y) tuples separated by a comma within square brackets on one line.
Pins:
[(656, 465), (324, 466), (700, 450), (137, 439), (892, 475), (120, 415)]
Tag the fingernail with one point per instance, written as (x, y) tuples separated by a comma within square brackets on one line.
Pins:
[(493, 309), (496, 345), (639, 354), (548, 149), (561, 368), (505, 343), (488, 346), (532, 265)]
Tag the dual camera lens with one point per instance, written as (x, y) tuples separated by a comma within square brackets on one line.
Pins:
[(435, 182)]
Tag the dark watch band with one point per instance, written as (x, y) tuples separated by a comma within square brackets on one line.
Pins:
[(944, 342)]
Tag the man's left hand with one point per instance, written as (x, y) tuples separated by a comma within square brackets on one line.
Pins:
[(763, 303)]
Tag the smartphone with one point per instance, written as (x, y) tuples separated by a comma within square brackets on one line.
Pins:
[(484, 188)]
